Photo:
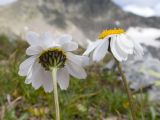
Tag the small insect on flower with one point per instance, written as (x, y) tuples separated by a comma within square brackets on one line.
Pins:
[(46, 52), (116, 42)]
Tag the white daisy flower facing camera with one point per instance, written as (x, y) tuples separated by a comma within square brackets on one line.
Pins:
[(47, 52), (115, 42)]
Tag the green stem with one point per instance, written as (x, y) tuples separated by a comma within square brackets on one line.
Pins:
[(54, 73), (127, 89), (142, 100)]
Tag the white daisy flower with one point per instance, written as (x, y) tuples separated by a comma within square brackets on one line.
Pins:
[(114, 41), (45, 52)]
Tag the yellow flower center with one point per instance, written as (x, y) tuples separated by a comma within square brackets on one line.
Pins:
[(53, 57), (109, 32)]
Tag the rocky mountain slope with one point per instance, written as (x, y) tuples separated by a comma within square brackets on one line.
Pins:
[(83, 19), (91, 16)]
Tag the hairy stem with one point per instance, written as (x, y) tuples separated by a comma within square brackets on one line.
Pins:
[(54, 73), (127, 89)]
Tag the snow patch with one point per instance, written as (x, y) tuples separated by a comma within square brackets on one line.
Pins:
[(146, 36), (143, 8), (141, 11)]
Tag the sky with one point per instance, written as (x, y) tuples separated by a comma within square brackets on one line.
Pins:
[(145, 8), (5, 2)]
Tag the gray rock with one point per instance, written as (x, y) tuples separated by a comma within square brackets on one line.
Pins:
[(142, 72)]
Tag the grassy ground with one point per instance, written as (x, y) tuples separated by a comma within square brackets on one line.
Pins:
[(99, 97)]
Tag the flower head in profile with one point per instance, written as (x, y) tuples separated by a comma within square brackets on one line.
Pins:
[(45, 52), (116, 42)]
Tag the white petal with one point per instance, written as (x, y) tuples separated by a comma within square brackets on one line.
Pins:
[(75, 70), (65, 38), (138, 48), (47, 37), (33, 50), (47, 40), (26, 66), (121, 52), (39, 77), (29, 75), (80, 60), (92, 46), (33, 76), (32, 38), (70, 46), (101, 50), (125, 44), (36, 77), (47, 81), (114, 49), (63, 78)]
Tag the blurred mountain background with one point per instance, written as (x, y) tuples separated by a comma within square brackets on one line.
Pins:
[(83, 19)]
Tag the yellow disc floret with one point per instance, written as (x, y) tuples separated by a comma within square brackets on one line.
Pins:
[(109, 32)]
